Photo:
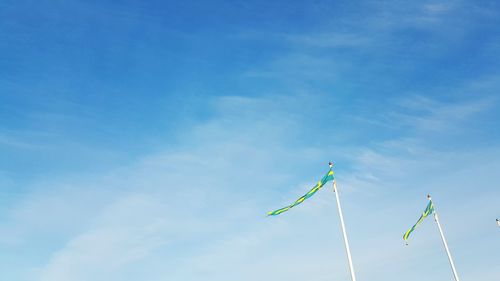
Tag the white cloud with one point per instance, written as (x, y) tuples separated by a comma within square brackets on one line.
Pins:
[(197, 210), (424, 113), (437, 7), (126, 232)]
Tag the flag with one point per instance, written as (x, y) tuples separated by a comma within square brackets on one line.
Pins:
[(428, 211), (328, 177)]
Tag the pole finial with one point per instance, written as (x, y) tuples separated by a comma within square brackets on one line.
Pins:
[(429, 196), (330, 164)]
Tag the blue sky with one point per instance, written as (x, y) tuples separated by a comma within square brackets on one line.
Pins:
[(146, 140)]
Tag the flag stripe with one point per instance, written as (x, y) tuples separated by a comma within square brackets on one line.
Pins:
[(328, 177)]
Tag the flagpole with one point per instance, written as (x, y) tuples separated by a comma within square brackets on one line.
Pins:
[(346, 241), (436, 218)]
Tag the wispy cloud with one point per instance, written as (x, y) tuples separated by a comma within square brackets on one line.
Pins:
[(17, 143), (424, 113), (107, 222), (186, 210), (124, 233)]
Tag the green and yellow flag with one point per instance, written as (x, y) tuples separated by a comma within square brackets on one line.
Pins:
[(328, 177), (428, 211)]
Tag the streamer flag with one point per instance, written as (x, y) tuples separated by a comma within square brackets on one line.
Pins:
[(428, 211), (328, 177)]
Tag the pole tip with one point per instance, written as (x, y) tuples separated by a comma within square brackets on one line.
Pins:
[(330, 164), (429, 196)]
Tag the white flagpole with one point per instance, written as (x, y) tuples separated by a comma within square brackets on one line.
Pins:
[(436, 218), (346, 241)]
